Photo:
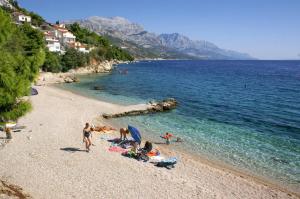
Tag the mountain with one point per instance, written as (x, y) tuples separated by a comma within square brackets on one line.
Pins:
[(144, 44)]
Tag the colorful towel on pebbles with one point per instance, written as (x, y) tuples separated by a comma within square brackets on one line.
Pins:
[(156, 158), (117, 149), (106, 137)]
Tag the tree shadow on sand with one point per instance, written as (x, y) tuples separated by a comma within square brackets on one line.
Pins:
[(72, 149)]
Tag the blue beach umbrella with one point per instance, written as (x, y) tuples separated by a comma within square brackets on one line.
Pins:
[(135, 134)]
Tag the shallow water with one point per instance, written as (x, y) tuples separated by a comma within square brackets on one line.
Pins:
[(243, 113)]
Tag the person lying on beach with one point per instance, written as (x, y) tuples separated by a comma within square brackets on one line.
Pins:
[(103, 128), (87, 133), (123, 133)]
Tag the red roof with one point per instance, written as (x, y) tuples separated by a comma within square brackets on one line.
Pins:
[(60, 28)]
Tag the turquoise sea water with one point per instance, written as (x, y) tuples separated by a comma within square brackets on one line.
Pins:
[(242, 113)]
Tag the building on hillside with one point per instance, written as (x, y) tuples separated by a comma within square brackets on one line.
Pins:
[(64, 35), (52, 42), (20, 18), (68, 38), (80, 47), (59, 31), (46, 27), (6, 3)]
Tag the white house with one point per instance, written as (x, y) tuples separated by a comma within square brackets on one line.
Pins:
[(54, 46), (80, 47), (68, 37), (63, 34), (6, 3), (52, 42), (21, 18)]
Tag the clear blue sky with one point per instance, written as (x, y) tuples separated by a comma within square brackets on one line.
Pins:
[(266, 29)]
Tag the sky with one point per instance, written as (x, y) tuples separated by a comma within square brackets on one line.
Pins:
[(265, 29)]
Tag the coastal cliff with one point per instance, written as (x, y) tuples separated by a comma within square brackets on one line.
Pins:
[(46, 78)]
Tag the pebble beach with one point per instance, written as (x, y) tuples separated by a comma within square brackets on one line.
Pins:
[(47, 160)]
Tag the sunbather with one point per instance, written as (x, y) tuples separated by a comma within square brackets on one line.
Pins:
[(87, 133), (123, 133), (103, 128)]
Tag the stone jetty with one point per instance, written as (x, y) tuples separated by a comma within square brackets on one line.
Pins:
[(152, 107)]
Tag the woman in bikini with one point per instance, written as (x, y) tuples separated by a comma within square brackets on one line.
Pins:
[(87, 133)]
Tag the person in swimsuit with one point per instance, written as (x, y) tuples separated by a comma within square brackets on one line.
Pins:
[(87, 133), (123, 133), (103, 128), (168, 137)]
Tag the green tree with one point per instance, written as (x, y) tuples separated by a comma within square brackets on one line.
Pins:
[(74, 59), (21, 55), (36, 19), (52, 62)]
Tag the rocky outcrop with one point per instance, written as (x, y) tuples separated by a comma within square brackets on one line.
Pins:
[(165, 105), (96, 67), (47, 78)]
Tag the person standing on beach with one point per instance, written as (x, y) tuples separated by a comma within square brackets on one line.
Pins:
[(123, 133), (87, 133), (168, 137)]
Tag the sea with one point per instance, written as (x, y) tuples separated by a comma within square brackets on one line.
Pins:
[(245, 114)]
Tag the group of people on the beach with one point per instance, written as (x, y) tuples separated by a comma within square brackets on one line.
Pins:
[(87, 133), (88, 129)]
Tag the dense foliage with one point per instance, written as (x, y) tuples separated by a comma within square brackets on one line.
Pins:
[(52, 62), (36, 19), (104, 49), (85, 36), (21, 55), (74, 59)]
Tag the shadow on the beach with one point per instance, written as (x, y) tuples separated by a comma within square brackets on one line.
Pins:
[(159, 143), (72, 149), (3, 138)]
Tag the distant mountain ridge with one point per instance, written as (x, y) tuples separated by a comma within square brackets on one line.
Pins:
[(144, 44)]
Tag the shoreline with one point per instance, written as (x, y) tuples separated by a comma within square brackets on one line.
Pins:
[(192, 177), (197, 156), (201, 158)]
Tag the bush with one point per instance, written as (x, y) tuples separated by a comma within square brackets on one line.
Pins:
[(74, 59), (52, 62), (17, 110)]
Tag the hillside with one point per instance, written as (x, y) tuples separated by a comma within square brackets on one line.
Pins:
[(142, 43)]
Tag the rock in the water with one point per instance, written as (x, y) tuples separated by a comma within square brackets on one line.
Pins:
[(70, 79), (98, 88), (165, 105)]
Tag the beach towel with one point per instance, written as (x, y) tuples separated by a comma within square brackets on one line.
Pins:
[(117, 149), (167, 163), (153, 153), (105, 137), (157, 158)]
